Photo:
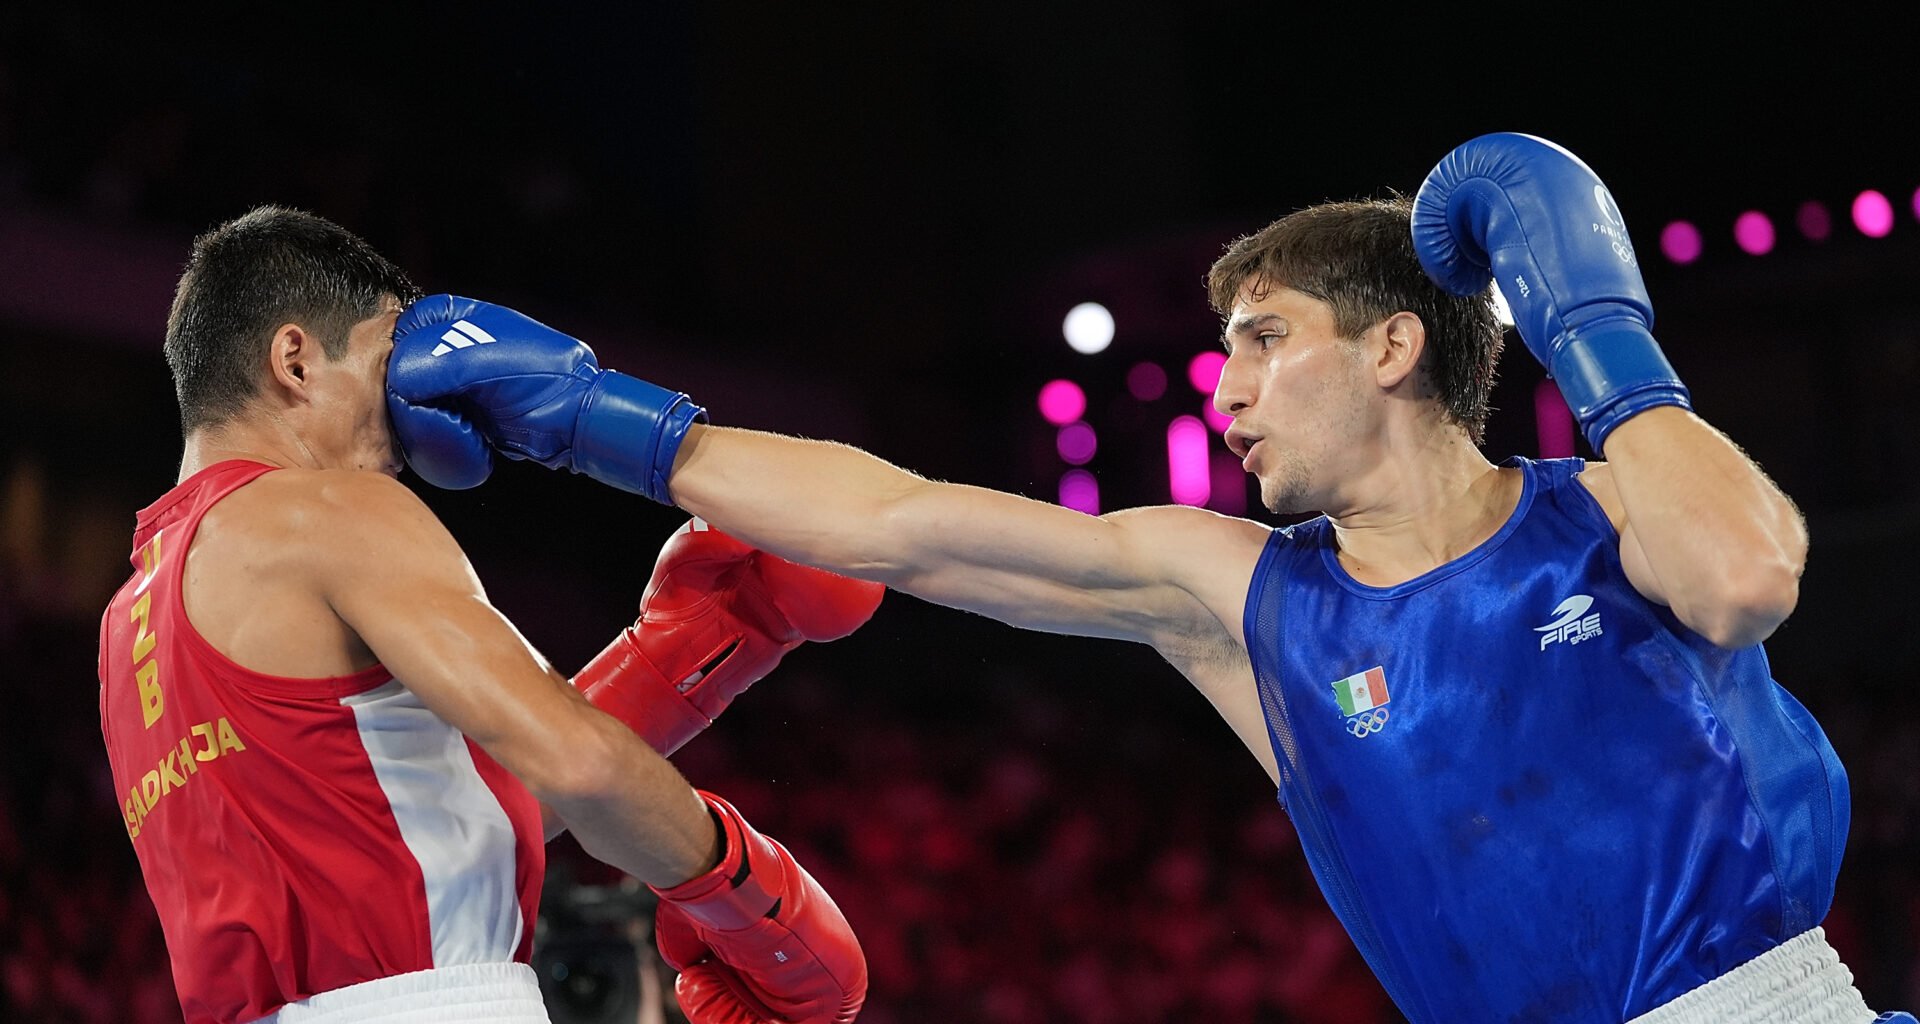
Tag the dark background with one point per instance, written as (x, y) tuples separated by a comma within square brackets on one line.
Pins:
[(865, 222)]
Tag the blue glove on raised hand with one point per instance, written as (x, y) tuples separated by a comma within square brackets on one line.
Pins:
[(1532, 216), (468, 377)]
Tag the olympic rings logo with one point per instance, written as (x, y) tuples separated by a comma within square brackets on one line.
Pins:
[(1616, 227), (1367, 724), (1609, 207)]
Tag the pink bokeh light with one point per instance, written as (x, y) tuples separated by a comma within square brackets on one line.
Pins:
[(1080, 491), (1916, 203), (1188, 475), (1215, 420), (1076, 443), (1062, 402), (1203, 372), (1680, 241), (1147, 381), (1553, 421), (1754, 233), (1813, 220), (1872, 214)]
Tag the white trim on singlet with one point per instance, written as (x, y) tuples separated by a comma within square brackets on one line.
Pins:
[(497, 993), (1800, 981), (451, 822)]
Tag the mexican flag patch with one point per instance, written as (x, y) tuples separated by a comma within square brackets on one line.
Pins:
[(1362, 691)]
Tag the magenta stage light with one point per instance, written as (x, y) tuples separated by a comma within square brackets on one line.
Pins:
[(1147, 381), (1080, 491), (1187, 471), (1076, 443), (1680, 241), (1062, 402), (1553, 421), (1217, 421), (1754, 233), (1872, 214), (1813, 220), (1916, 203), (1204, 371)]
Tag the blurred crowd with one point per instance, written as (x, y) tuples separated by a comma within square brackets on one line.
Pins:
[(1018, 835), (1038, 859)]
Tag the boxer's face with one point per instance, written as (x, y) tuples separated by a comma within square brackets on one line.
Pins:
[(1298, 397), (358, 430)]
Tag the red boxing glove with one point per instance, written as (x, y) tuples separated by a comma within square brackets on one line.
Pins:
[(756, 940), (716, 617)]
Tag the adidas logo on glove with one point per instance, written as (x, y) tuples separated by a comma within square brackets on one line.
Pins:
[(463, 335)]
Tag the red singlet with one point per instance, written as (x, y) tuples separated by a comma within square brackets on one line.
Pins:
[(297, 835)]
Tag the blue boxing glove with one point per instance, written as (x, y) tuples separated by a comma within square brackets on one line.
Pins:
[(468, 377), (1534, 217)]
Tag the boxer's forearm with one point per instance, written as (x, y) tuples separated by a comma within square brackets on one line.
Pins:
[(1726, 545), (1021, 561), (817, 502), (628, 807)]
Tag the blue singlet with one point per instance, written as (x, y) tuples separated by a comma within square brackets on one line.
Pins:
[(1529, 793)]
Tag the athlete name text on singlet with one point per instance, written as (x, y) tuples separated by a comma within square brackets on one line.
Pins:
[(297, 835)]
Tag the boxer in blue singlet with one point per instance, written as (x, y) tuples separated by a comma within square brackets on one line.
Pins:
[(1519, 712)]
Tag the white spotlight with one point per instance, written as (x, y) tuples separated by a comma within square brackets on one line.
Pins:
[(1088, 328)]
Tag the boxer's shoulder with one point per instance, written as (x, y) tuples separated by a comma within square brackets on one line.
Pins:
[(265, 563), (299, 516), (291, 496)]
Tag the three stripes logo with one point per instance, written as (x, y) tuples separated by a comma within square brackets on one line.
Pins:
[(462, 335)]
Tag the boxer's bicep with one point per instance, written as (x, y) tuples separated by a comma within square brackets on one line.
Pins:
[(394, 575)]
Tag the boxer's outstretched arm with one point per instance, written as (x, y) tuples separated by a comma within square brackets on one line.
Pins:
[(394, 575), (1136, 575), (1159, 575)]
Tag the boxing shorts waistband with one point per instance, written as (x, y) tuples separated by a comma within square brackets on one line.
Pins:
[(1801, 981), (494, 993)]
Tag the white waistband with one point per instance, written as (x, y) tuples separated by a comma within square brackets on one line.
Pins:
[(496, 993), (1801, 981)]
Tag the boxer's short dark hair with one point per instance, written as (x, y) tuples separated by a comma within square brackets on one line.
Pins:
[(1358, 258), (247, 277)]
